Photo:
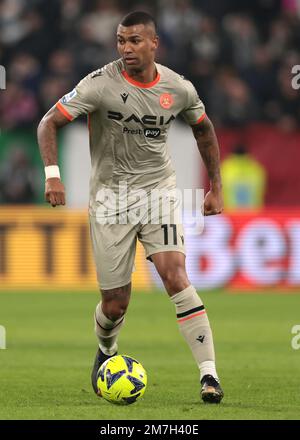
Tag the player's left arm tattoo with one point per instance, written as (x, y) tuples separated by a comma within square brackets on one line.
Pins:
[(208, 146)]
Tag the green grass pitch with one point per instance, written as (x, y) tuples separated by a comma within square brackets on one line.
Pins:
[(45, 370)]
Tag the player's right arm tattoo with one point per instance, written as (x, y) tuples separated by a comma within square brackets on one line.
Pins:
[(47, 132), (209, 149)]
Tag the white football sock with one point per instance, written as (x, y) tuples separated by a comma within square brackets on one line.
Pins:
[(107, 331), (194, 326)]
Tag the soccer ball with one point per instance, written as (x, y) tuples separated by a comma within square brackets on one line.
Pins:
[(122, 380)]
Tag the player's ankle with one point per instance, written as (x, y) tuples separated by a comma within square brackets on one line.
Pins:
[(208, 368)]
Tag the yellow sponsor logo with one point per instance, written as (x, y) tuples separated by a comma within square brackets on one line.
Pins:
[(50, 249)]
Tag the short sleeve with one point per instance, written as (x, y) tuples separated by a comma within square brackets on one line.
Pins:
[(84, 98), (194, 112)]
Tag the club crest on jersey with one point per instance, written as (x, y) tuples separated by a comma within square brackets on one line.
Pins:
[(69, 96), (166, 100)]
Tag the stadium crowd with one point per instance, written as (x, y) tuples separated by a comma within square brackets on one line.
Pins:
[(238, 54)]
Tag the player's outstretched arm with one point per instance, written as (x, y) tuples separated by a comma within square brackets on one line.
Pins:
[(47, 139), (209, 149)]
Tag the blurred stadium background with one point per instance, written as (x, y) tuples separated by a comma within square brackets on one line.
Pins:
[(239, 55)]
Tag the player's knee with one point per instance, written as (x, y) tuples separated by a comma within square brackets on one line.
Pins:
[(175, 279), (114, 310), (115, 302)]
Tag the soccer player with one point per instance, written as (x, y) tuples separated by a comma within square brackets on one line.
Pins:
[(131, 104)]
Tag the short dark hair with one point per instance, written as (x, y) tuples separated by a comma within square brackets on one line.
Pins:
[(138, 17)]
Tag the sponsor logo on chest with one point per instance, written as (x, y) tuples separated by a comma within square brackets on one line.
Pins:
[(135, 123), (151, 133), (144, 120)]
